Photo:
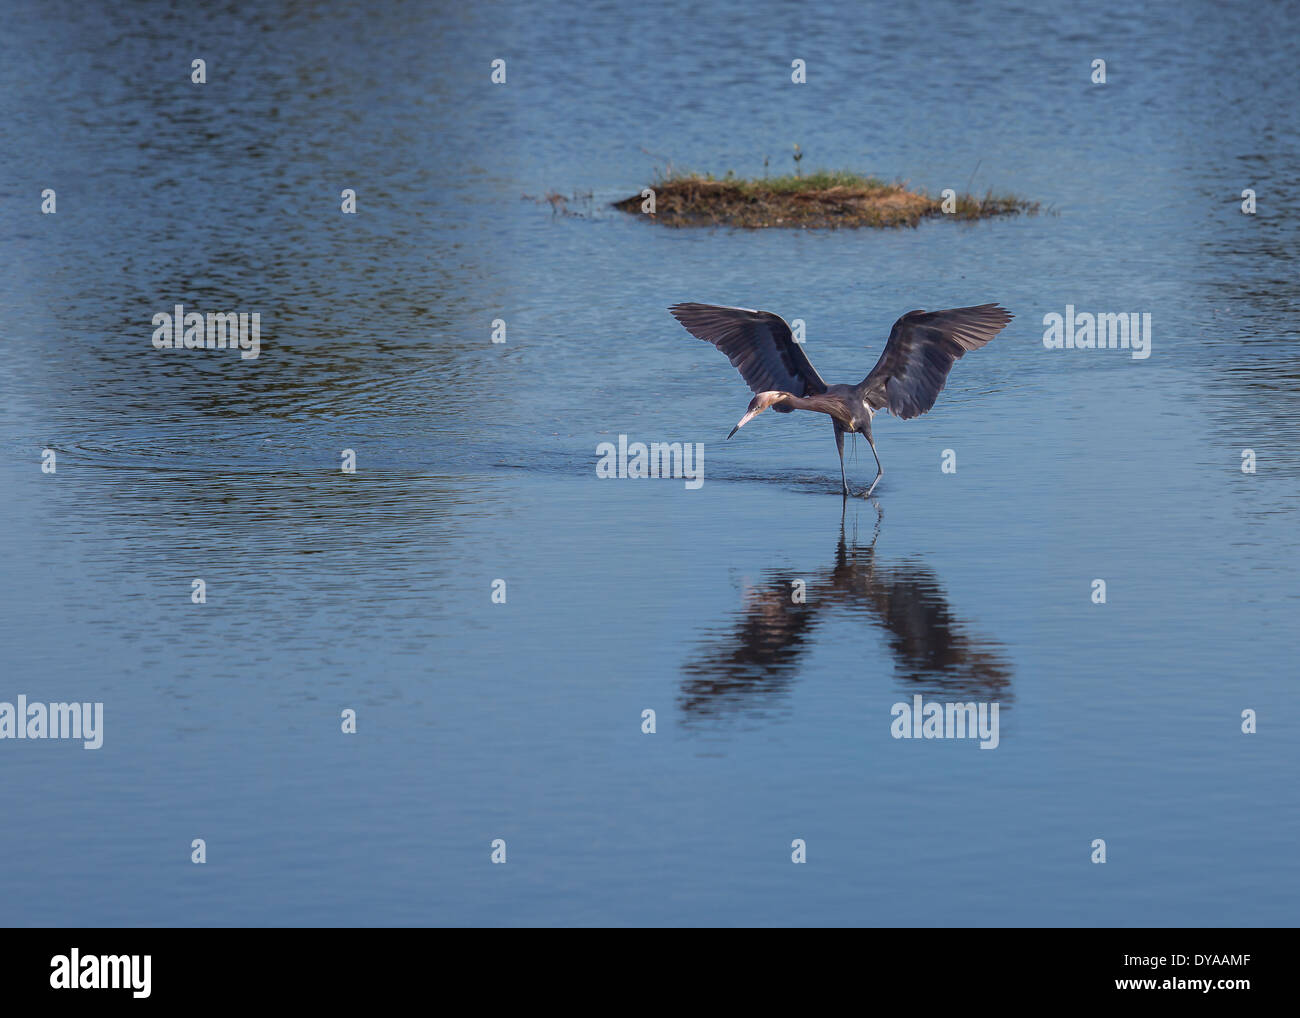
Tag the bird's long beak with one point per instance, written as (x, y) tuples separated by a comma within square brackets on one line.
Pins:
[(745, 420)]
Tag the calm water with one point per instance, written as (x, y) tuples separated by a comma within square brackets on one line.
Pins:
[(476, 462)]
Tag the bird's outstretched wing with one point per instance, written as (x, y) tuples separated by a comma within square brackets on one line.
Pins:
[(921, 350), (758, 343)]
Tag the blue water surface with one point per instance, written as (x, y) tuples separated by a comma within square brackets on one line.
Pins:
[(476, 462)]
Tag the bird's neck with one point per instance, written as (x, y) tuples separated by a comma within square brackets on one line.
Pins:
[(822, 404)]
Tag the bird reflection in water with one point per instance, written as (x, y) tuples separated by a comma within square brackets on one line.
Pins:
[(750, 668)]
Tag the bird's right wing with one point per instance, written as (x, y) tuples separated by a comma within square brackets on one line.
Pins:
[(758, 343), (922, 348)]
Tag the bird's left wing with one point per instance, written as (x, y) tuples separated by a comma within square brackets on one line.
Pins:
[(922, 347), (758, 343)]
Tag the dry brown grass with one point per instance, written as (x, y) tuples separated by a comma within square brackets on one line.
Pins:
[(819, 200)]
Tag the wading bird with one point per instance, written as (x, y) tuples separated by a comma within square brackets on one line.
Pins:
[(907, 379), (751, 663)]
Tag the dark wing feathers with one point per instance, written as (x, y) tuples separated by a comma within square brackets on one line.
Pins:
[(921, 350), (758, 343)]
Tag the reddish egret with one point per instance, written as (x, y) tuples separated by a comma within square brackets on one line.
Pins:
[(906, 380), (750, 664)]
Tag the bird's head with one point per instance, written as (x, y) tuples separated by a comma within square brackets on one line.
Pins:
[(757, 405)]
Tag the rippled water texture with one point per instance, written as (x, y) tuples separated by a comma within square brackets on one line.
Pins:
[(476, 462)]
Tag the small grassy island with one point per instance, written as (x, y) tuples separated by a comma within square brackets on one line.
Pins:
[(818, 200)]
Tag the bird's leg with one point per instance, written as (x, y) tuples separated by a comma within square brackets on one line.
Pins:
[(839, 447), (880, 471)]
